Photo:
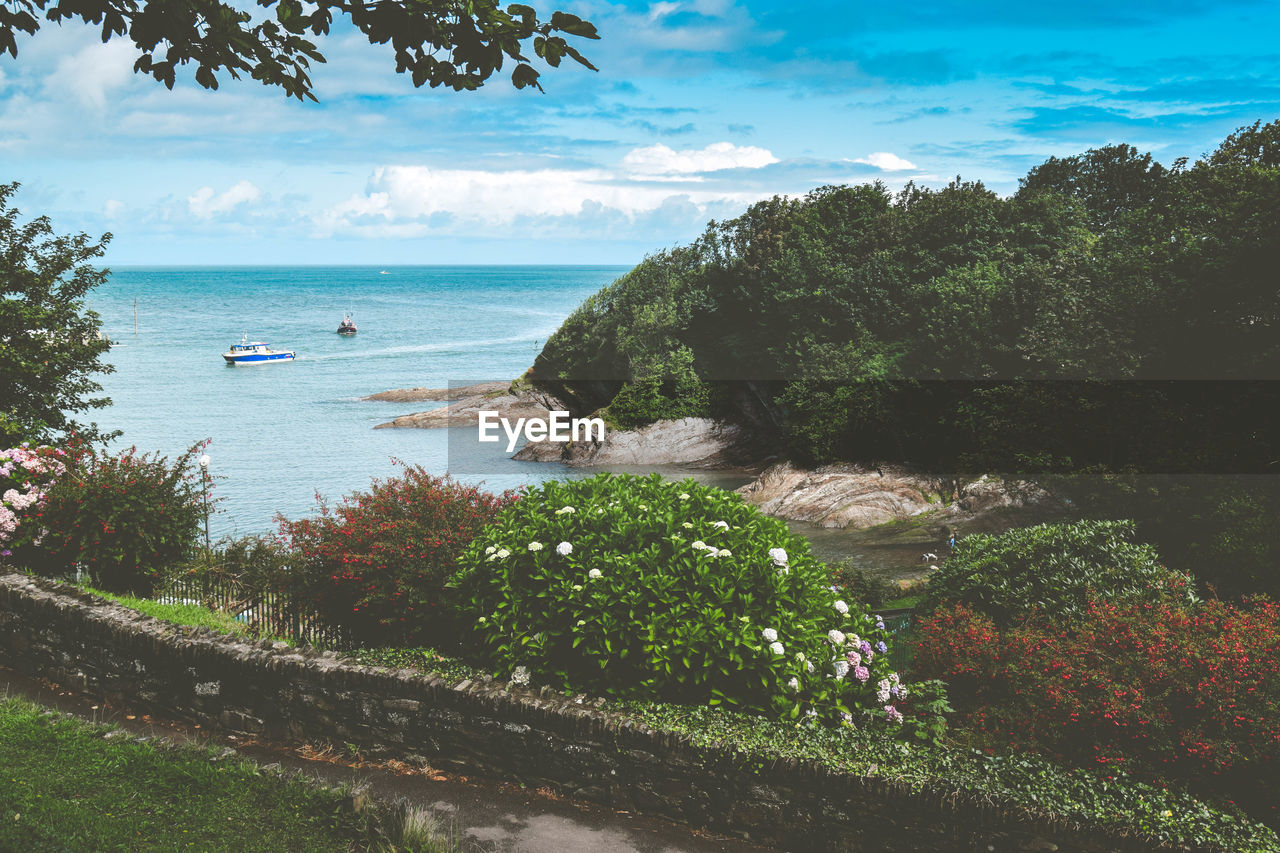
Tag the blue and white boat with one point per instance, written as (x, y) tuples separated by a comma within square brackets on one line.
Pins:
[(255, 352)]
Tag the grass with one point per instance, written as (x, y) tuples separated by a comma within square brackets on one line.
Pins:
[(69, 785), (193, 615)]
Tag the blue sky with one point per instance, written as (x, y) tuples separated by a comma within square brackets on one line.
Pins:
[(699, 108)]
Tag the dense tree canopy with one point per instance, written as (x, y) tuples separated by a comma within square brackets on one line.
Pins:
[(1113, 315), (438, 42), (50, 345)]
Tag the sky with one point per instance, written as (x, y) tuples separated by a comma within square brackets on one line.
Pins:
[(699, 108)]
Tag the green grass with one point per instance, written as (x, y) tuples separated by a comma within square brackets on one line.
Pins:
[(193, 615), (898, 603), (64, 786)]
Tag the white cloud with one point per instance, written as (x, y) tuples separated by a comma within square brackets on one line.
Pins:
[(885, 161), (404, 200), (90, 74), (112, 208), (659, 160), (205, 204), (661, 10)]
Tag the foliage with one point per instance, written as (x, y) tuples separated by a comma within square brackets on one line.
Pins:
[(121, 519), (1085, 324), (437, 42), (67, 786), (1189, 695), (666, 389), (49, 339), (25, 474), (1057, 569), (637, 586), (859, 585), (376, 564)]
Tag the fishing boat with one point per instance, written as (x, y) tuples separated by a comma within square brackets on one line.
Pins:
[(346, 327), (255, 352)]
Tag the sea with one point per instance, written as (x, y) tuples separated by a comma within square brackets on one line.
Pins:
[(282, 434)]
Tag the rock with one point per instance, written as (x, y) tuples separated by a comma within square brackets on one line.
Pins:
[(420, 395), (509, 401), (693, 442), (987, 493), (843, 495)]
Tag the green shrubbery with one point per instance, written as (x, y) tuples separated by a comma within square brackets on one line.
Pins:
[(376, 565), (123, 519), (630, 586), (1056, 569)]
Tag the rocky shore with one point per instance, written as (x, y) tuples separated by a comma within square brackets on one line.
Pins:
[(510, 400), (690, 442)]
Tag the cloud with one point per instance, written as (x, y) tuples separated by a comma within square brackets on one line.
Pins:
[(659, 160), (886, 162), (112, 208), (205, 204), (93, 73)]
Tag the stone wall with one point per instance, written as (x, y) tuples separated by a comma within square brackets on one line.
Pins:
[(540, 738)]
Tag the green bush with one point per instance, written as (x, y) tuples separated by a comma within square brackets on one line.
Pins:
[(623, 585), (861, 586), (121, 519), (666, 388), (376, 565), (1056, 569)]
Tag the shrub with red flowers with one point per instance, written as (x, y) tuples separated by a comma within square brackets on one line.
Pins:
[(376, 565), (1187, 694), (123, 519)]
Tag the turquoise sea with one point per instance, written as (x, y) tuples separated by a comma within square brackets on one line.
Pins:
[(281, 433)]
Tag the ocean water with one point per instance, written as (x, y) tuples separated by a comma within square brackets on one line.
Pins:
[(283, 433)]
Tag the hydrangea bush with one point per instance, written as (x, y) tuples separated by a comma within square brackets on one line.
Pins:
[(25, 473), (636, 586)]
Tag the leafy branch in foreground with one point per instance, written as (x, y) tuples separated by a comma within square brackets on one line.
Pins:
[(454, 43)]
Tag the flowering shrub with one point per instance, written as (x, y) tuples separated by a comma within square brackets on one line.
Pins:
[(1055, 568), (1185, 694), (122, 519), (631, 586), (376, 564), (25, 473)]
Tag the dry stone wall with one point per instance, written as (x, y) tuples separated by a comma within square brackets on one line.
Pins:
[(540, 738)]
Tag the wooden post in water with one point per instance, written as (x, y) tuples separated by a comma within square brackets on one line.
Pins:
[(135, 316)]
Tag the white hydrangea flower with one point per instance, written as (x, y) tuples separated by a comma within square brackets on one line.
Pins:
[(836, 637), (644, 507), (777, 648), (779, 556), (565, 510), (882, 690), (482, 620), (800, 657), (564, 549), (841, 608), (594, 573), (502, 554), (520, 675), (723, 525), (794, 683), (698, 545), (842, 668), (535, 546), (808, 665), (724, 552), (577, 587), (687, 526), (783, 571), (491, 549), (893, 676), (769, 635), (684, 496)]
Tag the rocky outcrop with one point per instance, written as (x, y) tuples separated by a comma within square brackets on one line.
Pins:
[(690, 442), (511, 401), (855, 496), (842, 495), (422, 395)]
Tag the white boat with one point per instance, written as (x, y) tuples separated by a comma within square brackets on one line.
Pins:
[(346, 327), (255, 352)]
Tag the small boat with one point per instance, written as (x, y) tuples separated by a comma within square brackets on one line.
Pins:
[(346, 327), (255, 352)]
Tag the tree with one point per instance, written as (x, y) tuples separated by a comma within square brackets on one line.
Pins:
[(50, 343), (454, 43)]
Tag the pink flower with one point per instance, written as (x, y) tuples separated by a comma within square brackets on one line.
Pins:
[(861, 673)]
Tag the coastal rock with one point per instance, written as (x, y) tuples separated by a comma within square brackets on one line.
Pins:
[(421, 395), (510, 401), (843, 495), (693, 442)]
